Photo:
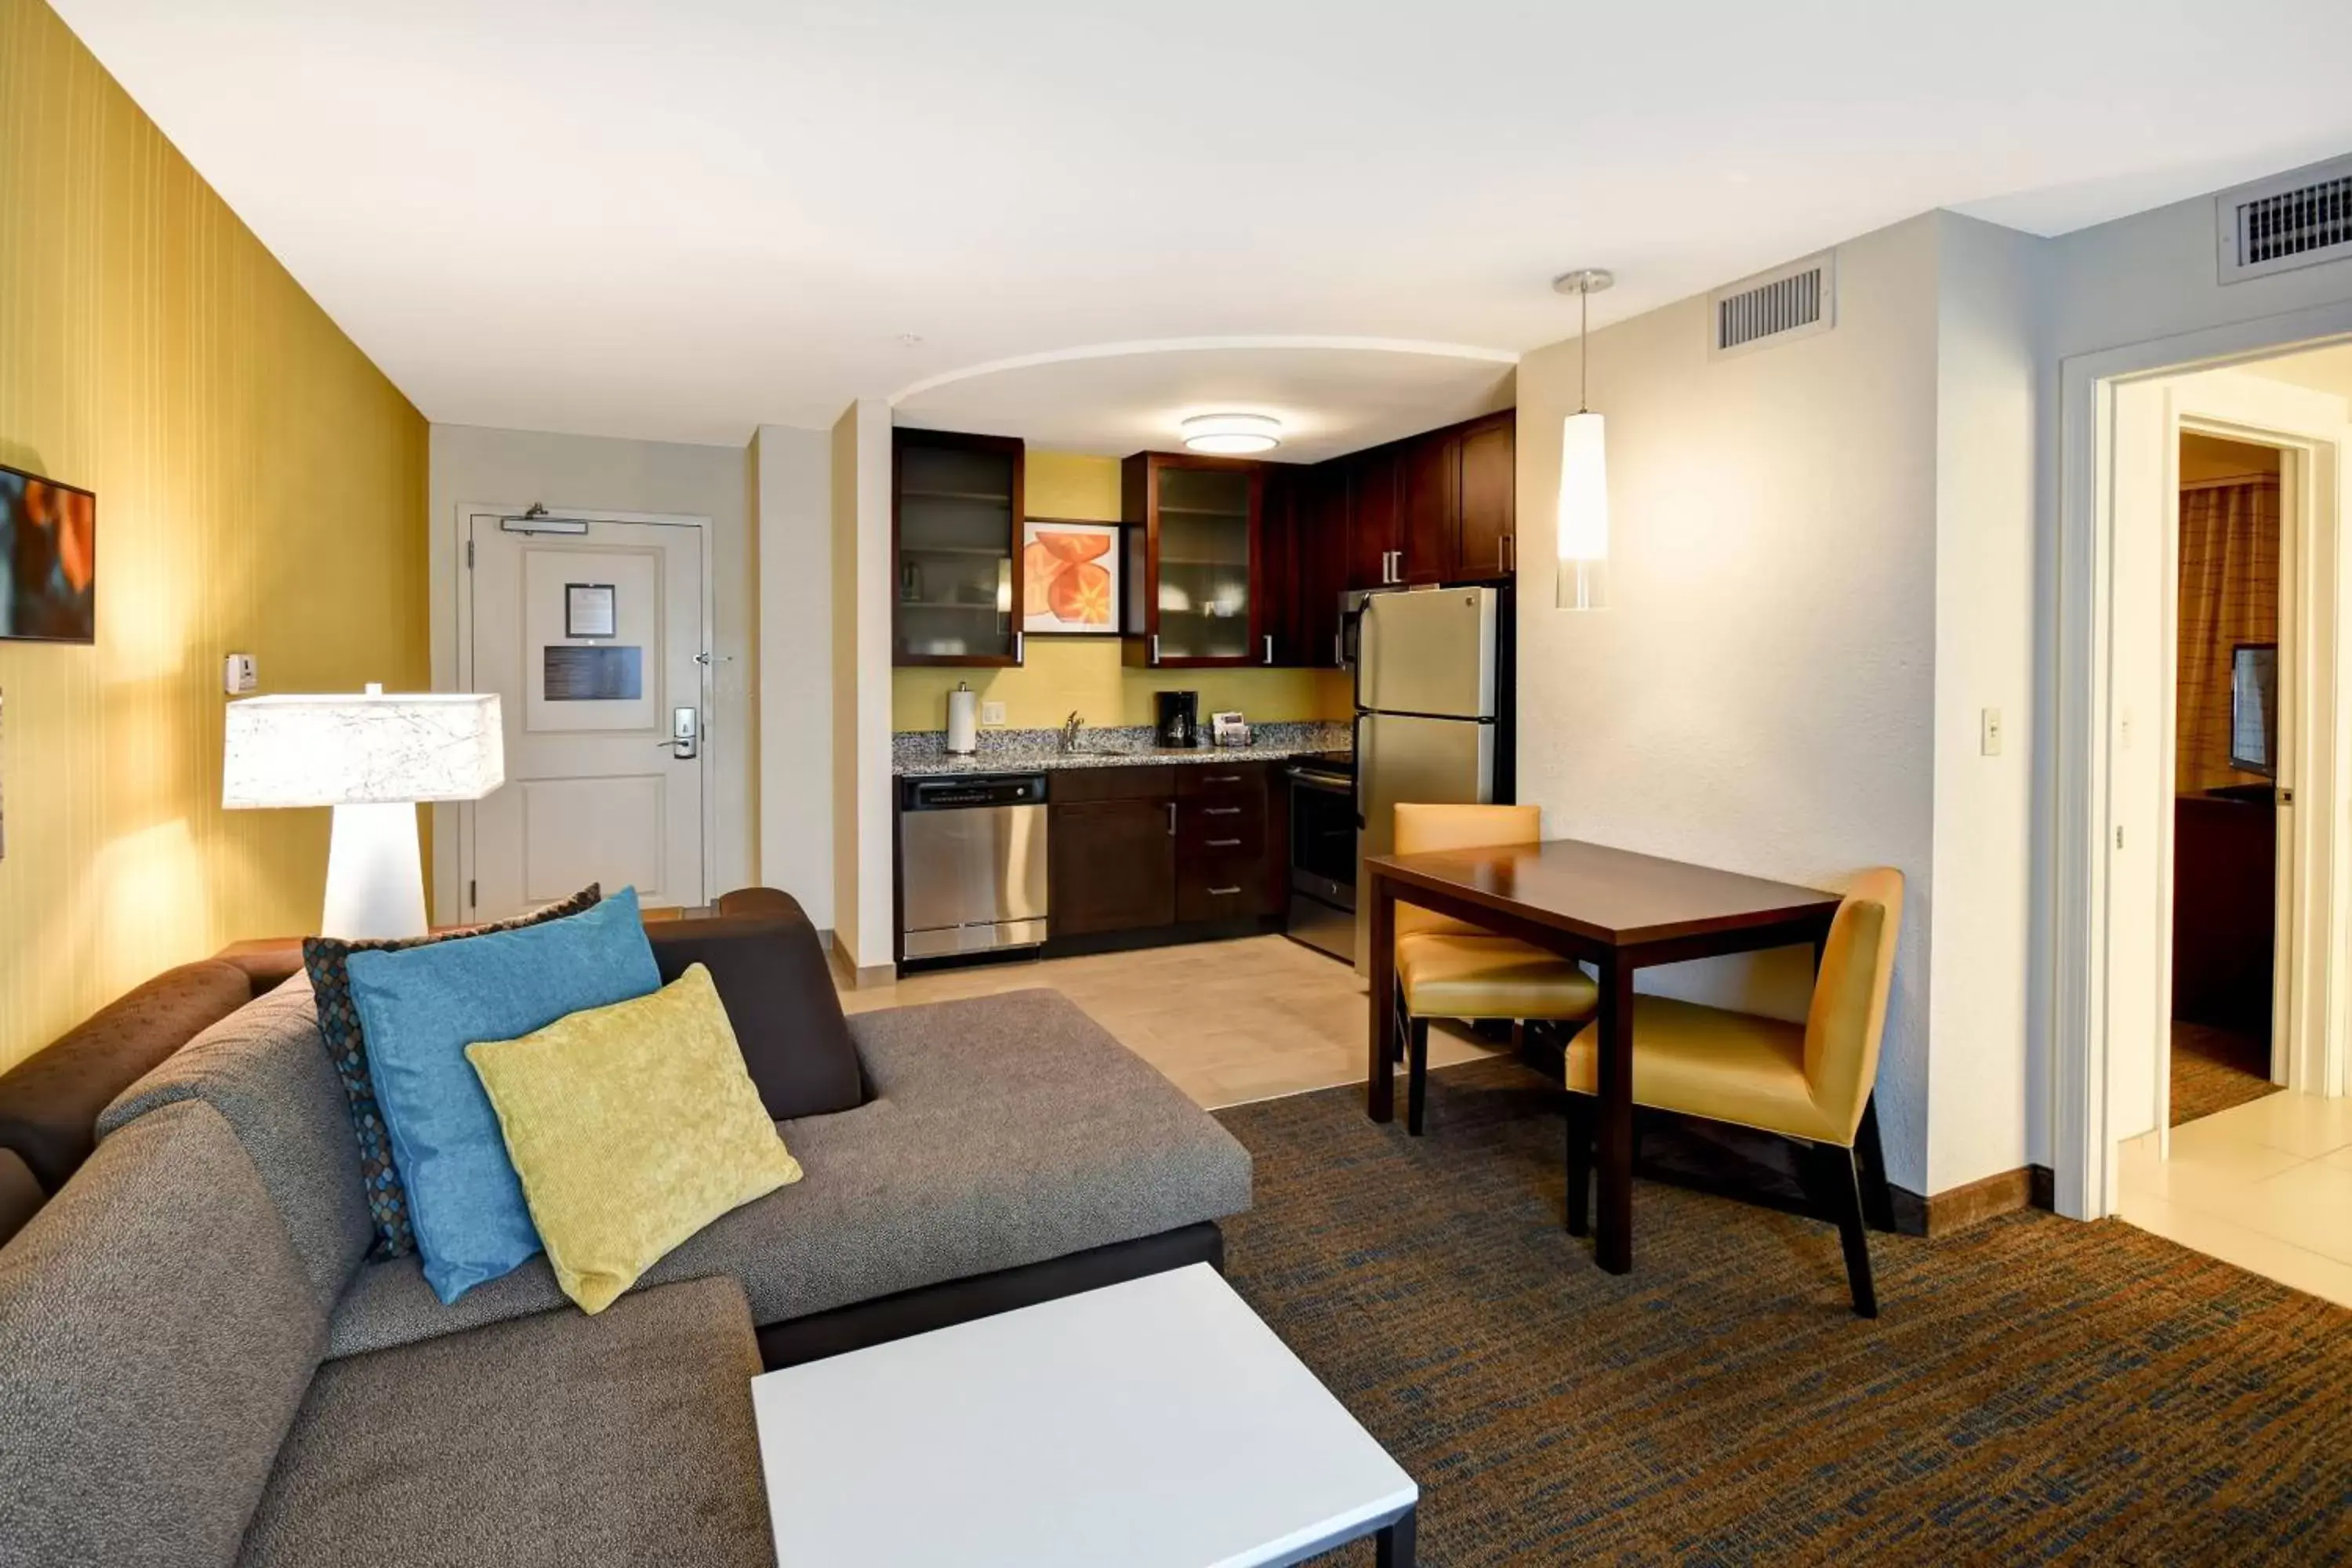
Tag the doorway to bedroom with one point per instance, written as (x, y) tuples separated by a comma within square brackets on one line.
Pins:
[(2225, 1000)]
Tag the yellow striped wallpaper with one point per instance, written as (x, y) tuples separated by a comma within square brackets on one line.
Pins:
[(261, 488)]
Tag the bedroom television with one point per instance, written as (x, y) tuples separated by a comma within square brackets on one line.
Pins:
[(2254, 708), (48, 559)]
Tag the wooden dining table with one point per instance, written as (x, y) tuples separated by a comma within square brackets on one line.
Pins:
[(1619, 912)]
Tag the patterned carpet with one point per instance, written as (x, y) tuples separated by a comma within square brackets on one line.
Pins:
[(2037, 1390), (2213, 1069)]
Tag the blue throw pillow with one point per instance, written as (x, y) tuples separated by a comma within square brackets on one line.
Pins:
[(420, 1007)]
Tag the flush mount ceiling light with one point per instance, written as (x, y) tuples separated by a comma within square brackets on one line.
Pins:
[(1582, 535), (1232, 435)]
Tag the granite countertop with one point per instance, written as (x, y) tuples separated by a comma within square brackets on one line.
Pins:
[(923, 754)]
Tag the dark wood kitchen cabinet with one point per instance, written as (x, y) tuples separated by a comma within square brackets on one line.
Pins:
[(1439, 506), (1196, 584), (955, 505), (1487, 485), (1110, 850), (1375, 517), (1433, 508), (1139, 856)]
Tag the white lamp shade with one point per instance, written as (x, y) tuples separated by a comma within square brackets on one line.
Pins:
[(353, 750), (1583, 525)]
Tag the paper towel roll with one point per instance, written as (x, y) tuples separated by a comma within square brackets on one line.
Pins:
[(963, 722)]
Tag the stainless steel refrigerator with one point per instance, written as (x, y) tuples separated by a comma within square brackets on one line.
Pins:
[(1434, 700)]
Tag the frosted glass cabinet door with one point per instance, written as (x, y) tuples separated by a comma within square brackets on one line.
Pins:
[(1204, 564), (959, 589)]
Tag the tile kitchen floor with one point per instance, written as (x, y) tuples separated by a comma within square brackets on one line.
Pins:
[(1227, 1022), (2267, 1186)]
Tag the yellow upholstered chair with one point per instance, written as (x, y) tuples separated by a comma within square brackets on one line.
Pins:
[(1451, 969), (1809, 1082)]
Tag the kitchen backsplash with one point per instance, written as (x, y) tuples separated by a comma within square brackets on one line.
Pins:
[(1011, 747)]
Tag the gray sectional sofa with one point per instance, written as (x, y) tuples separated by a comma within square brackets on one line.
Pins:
[(199, 1365)]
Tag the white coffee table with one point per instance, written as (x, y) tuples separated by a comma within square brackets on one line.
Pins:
[(1156, 1424)]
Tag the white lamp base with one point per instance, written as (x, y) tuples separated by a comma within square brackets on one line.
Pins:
[(375, 876)]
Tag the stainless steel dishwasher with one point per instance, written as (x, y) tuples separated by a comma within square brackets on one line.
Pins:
[(972, 864)]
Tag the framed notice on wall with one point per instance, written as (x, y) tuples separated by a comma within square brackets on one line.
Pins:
[(588, 610)]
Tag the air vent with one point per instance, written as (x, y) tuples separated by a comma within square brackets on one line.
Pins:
[(1776, 307), (2296, 220)]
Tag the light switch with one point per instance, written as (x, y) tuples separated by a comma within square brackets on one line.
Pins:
[(239, 674), (991, 712), (1991, 737)]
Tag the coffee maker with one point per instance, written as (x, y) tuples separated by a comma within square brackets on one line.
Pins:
[(1180, 718)]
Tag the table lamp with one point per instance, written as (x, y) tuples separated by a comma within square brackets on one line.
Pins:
[(372, 757)]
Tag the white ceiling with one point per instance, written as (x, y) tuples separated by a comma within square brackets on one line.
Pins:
[(678, 220), (1331, 400)]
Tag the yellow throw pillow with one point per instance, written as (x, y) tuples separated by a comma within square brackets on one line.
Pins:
[(632, 1127)]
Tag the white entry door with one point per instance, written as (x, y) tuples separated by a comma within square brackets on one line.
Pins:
[(594, 635)]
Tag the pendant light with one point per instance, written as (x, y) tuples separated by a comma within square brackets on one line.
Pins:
[(1582, 535)]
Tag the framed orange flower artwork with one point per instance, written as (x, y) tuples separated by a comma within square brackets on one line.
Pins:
[(1069, 578), (48, 559)]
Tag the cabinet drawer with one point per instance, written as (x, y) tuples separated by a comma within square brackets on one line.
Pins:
[(1220, 779), (1154, 783), (1204, 831), (1221, 887)]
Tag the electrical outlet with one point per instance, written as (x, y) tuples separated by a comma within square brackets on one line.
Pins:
[(991, 712), (1991, 737), (239, 674)]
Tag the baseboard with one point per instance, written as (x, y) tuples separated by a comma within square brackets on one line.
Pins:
[(853, 977), (1956, 1208)]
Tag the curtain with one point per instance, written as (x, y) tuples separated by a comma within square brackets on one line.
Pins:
[(2229, 595)]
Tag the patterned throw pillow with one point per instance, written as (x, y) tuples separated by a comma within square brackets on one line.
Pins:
[(328, 960)]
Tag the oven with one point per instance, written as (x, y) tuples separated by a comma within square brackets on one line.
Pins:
[(1322, 911)]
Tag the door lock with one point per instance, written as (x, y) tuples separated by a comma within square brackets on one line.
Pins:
[(685, 740)]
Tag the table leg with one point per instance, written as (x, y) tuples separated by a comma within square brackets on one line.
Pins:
[(1614, 1247), (1380, 1085), (1392, 1547)]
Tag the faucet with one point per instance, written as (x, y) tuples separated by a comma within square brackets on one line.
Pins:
[(1070, 728)]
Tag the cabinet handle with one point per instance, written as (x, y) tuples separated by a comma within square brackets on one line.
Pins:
[(1338, 657), (1171, 819), (1016, 647), (1269, 647), (1222, 892), (1221, 778), (1218, 810), (1223, 844), (1500, 567), (1155, 647)]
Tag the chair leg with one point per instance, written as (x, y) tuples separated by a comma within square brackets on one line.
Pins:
[(1842, 1185), (1877, 1197), (1579, 1164), (1403, 1024), (1417, 1070)]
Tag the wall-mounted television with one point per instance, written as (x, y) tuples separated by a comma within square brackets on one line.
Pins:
[(2254, 708), (48, 559)]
